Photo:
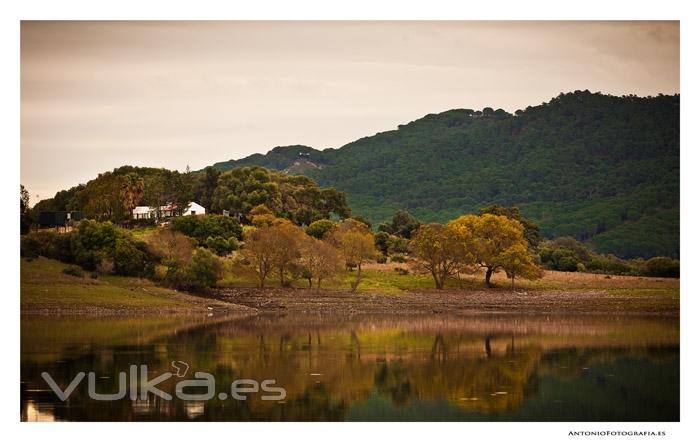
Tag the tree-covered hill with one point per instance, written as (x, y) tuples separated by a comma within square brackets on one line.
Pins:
[(601, 168)]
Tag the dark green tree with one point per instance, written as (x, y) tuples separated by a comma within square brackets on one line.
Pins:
[(403, 224)]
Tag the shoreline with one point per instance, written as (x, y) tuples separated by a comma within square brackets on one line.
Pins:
[(46, 291), (256, 301), (459, 302)]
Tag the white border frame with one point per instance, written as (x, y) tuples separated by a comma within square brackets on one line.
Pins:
[(325, 10)]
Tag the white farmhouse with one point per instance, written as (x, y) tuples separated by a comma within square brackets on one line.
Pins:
[(143, 212), (167, 211), (194, 209)]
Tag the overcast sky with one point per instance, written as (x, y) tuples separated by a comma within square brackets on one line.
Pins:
[(98, 95)]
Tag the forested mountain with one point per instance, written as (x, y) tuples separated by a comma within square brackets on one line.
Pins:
[(601, 168)]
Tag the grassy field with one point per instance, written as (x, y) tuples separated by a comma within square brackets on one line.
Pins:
[(385, 290), (44, 287), (143, 232), (386, 279)]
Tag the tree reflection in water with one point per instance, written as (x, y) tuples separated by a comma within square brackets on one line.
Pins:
[(367, 368)]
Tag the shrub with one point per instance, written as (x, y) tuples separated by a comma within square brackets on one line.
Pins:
[(381, 259), (105, 247), (564, 254), (73, 270), (62, 248), (398, 258), (398, 244), (401, 271), (199, 272), (203, 227), (48, 244), (29, 247), (662, 266), (220, 245), (92, 242), (94, 275), (203, 271), (131, 258), (611, 264), (319, 229)]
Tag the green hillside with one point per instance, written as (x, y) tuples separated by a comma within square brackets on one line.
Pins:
[(604, 169)]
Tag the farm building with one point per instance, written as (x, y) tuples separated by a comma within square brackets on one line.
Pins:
[(167, 211), (58, 219), (194, 209), (143, 212)]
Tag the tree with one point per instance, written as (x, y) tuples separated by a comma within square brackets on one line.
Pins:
[(297, 198), (440, 251), (356, 243), (172, 247), (286, 237), (204, 187), (517, 261), (486, 238), (319, 229), (382, 241), (531, 230), (110, 196), (402, 224), (260, 250), (320, 260), (24, 218), (132, 189), (261, 215), (166, 187)]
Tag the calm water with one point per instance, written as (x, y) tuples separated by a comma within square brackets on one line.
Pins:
[(509, 368)]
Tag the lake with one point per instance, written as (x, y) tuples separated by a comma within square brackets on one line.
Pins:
[(365, 368)]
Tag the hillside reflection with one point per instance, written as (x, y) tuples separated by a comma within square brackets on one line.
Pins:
[(366, 368)]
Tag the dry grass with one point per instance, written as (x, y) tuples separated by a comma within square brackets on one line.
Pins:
[(44, 289)]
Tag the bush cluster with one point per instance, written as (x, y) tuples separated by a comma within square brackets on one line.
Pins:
[(204, 227), (569, 255), (92, 246), (199, 272)]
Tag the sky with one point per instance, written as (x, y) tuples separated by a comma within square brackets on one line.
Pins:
[(99, 95)]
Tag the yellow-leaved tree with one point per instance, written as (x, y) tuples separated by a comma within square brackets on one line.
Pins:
[(439, 251), (493, 241), (518, 261), (356, 243)]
